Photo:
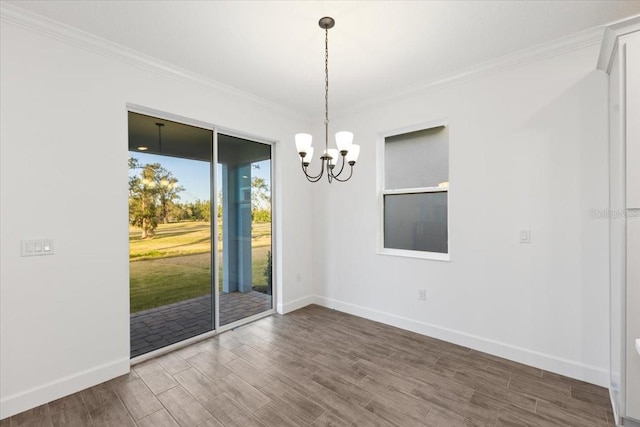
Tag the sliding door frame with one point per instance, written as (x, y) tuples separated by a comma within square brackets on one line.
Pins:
[(214, 229)]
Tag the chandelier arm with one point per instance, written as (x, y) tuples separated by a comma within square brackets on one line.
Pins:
[(347, 178), (335, 175), (314, 179), (311, 178)]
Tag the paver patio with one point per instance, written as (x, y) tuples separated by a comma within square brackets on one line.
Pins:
[(169, 324)]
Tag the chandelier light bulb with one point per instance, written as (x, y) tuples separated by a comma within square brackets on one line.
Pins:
[(303, 143), (352, 155), (343, 141)]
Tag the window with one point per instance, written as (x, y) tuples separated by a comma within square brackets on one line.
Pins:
[(415, 194)]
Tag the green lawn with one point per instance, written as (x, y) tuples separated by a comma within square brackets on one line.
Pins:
[(163, 281), (175, 265), (183, 238)]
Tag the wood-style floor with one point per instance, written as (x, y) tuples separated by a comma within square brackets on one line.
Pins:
[(318, 367)]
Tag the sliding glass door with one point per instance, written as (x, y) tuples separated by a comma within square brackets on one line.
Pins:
[(184, 237), (170, 168), (244, 226)]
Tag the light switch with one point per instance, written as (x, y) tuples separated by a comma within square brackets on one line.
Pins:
[(525, 236), (35, 247)]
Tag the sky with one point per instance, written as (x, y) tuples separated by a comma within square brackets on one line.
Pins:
[(193, 175)]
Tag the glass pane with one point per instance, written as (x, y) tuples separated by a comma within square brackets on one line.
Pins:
[(169, 232), (417, 159), (416, 222), (244, 222)]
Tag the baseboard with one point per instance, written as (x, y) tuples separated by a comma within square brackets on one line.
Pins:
[(569, 368), (626, 422), (37, 396), (297, 304)]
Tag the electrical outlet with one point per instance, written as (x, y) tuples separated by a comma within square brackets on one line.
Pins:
[(422, 294)]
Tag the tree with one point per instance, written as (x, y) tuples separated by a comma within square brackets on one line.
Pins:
[(199, 210), (151, 195), (260, 200), (260, 195), (143, 200), (168, 189)]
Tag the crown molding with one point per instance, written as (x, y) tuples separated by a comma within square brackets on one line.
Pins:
[(56, 30), (517, 59), (610, 40), (606, 35)]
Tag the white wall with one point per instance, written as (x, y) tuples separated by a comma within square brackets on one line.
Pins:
[(64, 319), (528, 150)]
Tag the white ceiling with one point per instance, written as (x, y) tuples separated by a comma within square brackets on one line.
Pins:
[(275, 49)]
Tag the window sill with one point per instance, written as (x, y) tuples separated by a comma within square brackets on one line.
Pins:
[(434, 256)]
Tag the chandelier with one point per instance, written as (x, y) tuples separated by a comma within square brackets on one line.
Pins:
[(344, 140)]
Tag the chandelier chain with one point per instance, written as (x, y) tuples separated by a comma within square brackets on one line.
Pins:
[(326, 88)]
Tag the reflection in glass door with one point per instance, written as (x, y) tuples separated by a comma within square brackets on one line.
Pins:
[(169, 232), (244, 228)]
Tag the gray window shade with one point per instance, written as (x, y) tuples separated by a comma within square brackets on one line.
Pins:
[(417, 159), (416, 222)]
